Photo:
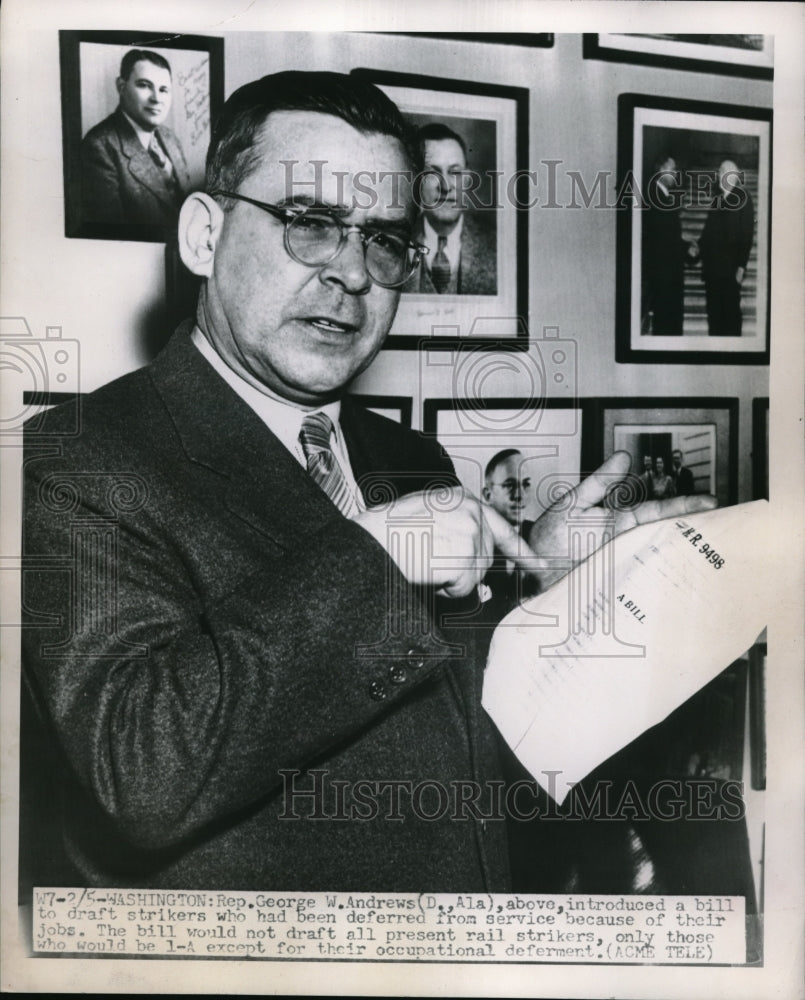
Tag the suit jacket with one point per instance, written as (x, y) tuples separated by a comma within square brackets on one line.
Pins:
[(477, 273), (121, 183), (255, 630), (727, 235)]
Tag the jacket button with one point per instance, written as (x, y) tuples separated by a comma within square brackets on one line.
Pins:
[(398, 675), (377, 691), (417, 662)]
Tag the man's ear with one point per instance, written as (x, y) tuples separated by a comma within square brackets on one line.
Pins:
[(486, 493), (200, 222), (120, 83)]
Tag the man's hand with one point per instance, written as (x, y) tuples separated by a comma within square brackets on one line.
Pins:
[(446, 540), (549, 537)]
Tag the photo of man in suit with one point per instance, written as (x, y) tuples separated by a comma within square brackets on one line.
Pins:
[(133, 169), (258, 651), (507, 489), (665, 252), (462, 254), (683, 477), (724, 247)]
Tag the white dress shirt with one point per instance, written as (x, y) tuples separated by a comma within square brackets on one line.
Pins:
[(144, 136), (283, 419)]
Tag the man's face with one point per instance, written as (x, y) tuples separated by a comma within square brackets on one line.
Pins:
[(667, 173), (444, 166), (677, 459), (647, 463), (146, 95), (728, 176), (507, 489), (302, 333)]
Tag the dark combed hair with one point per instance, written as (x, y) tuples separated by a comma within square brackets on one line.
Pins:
[(437, 132), (496, 460), (232, 154), (133, 56)]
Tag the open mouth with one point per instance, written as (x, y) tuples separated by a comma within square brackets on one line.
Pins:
[(331, 325)]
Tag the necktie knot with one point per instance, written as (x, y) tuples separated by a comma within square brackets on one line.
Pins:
[(315, 434), (322, 464)]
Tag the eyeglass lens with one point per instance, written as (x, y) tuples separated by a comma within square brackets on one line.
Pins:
[(316, 239)]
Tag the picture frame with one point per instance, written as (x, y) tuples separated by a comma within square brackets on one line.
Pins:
[(758, 655), (491, 278), (693, 257), (734, 55), (536, 40), (112, 188), (704, 429), (399, 408), (554, 437), (760, 448)]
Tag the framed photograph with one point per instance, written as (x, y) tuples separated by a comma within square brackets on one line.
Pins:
[(736, 55), (546, 442), (397, 408), (760, 448), (694, 238), (475, 144), (757, 712), (137, 109), (678, 446), (535, 40)]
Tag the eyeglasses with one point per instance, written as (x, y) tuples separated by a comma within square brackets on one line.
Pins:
[(512, 486), (314, 237)]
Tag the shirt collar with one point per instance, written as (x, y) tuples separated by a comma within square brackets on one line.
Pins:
[(453, 246), (141, 133), (283, 419)]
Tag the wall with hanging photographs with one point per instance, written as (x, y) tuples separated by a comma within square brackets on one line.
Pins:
[(554, 301)]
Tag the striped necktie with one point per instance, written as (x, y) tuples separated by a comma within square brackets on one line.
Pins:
[(440, 268), (159, 157), (322, 465)]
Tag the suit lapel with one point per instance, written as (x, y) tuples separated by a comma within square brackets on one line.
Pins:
[(261, 482), (141, 167)]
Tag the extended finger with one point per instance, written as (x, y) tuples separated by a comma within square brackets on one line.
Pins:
[(656, 510), (509, 541), (594, 488)]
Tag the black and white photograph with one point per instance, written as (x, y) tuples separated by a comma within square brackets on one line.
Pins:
[(760, 448), (401, 567), (472, 142), (678, 447), (694, 252), (736, 55), (137, 110)]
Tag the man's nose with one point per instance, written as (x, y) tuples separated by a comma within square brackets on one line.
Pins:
[(348, 267)]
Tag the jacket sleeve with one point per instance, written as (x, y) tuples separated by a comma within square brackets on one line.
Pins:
[(177, 708), (100, 182)]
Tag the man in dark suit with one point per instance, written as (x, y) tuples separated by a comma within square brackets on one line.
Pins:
[(664, 251), (683, 477), (724, 247), (133, 169), (462, 254), (244, 669)]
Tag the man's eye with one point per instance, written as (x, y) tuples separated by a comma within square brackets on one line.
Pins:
[(313, 224), (389, 243)]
